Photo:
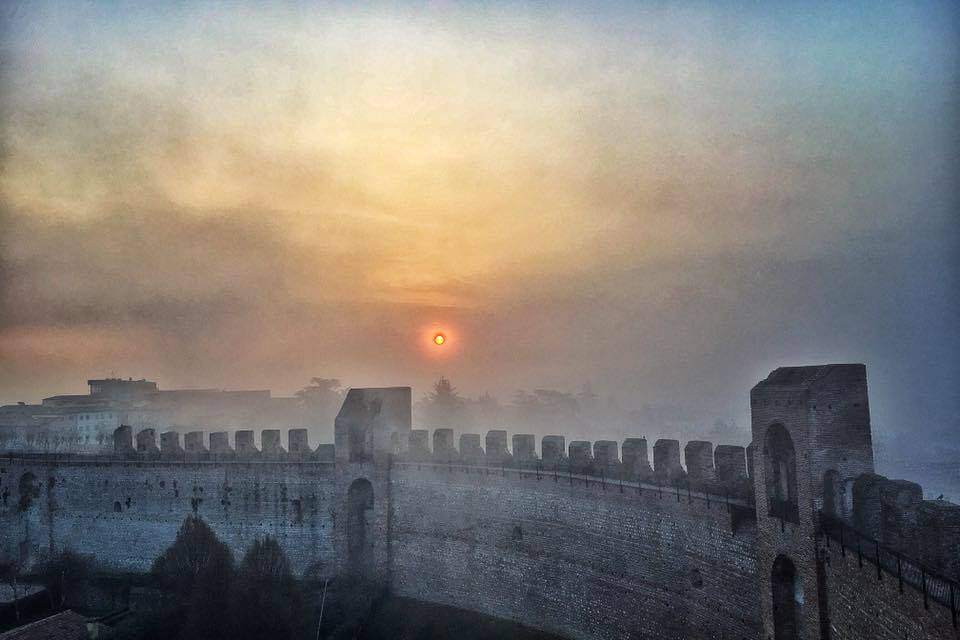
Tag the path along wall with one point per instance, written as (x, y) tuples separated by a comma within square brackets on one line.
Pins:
[(864, 606), (583, 561)]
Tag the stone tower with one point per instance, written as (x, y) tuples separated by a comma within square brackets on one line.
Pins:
[(373, 425), (811, 427)]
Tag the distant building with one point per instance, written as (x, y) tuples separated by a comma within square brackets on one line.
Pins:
[(85, 423)]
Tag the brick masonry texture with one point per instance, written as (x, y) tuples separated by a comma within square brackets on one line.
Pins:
[(862, 607), (126, 514), (578, 560), (583, 559)]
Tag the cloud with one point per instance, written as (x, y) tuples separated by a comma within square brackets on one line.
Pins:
[(665, 202)]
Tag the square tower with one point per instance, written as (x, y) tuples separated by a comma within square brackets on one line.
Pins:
[(372, 424), (811, 426)]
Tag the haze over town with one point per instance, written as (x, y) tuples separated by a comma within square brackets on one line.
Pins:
[(252, 199)]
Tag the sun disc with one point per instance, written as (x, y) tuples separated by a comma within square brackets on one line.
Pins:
[(439, 339)]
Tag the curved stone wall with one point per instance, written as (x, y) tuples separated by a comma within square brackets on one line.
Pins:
[(583, 560)]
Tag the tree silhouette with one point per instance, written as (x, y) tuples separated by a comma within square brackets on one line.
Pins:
[(195, 553), (265, 583), (444, 407), (198, 570)]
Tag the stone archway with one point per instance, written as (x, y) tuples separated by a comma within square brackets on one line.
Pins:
[(359, 521), (783, 588)]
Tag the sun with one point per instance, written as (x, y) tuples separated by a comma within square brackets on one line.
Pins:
[(439, 339)]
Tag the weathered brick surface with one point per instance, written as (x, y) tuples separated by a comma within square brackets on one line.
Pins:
[(298, 442), (581, 456), (496, 441), (127, 513), (825, 411), (605, 452), (666, 460), (587, 559), (730, 463), (471, 448), (636, 464), (939, 536), (698, 456), (193, 442), (443, 448), (580, 561), (865, 608), (147, 442), (524, 447), (553, 450), (419, 448)]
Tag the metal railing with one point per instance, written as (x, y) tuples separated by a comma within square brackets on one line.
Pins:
[(894, 564)]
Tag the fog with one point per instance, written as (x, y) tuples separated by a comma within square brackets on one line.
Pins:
[(656, 204)]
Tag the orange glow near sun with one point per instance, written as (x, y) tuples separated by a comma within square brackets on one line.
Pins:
[(439, 341)]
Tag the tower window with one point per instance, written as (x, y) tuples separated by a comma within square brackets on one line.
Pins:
[(781, 474)]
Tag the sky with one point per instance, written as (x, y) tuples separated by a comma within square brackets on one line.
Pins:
[(664, 202)]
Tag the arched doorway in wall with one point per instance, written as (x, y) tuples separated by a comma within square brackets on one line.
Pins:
[(359, 524), (780, 461), (783, 586), (832, 494)]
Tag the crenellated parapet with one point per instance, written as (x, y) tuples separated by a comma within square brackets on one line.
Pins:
[(894, 514), (581, 456), (666, 461), (636, 463), (524, 448), (298, 446), (193, 446), (471, 448), (170, 448), (419, 448), (606, 458), (443, 447), (553, 450), (245, 446), (698, 455), (147, 444), (272, 449), (123, 441), (730, 463), (720, 472), (220, 448), (497, 452)]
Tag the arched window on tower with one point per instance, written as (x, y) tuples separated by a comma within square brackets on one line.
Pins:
[(359, 526), (781, 473)]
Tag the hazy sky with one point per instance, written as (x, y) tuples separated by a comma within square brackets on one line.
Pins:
[(664, 202)]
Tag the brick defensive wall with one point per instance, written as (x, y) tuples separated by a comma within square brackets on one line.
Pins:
[(588, 540)]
